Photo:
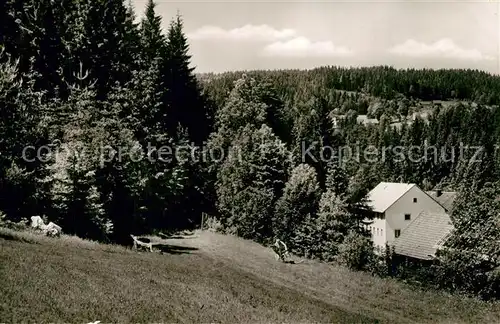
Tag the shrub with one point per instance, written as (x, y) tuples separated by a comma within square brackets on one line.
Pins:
[(383, 264), (4, 222), (213, 224), (355, 252)]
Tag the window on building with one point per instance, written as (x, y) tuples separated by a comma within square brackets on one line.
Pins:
[(414, 200), (397, 233), (407, 216)]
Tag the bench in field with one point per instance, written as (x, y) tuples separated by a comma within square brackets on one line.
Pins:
[(146, 245)]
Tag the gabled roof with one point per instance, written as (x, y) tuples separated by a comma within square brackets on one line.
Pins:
[(446, 198), (385, 194), (422, 237)]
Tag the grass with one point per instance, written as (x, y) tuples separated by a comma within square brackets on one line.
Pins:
[(205, 277)]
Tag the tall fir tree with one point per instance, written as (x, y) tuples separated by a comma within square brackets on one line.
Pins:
[(184, 99), (76, 201), (153, 40), (103, 37), (22, 132)]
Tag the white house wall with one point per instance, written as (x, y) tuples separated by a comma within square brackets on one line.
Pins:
[(395, 214), (378, 229)]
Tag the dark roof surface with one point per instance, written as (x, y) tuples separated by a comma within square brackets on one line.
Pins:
[(424, 235), (446, 198)]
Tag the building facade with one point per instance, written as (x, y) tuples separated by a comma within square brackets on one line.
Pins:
[(394, 206)]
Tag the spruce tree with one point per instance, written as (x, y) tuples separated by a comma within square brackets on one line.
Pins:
[(337, 179), (22, 132), (103, 37), (77, 207), (149, 84), (185, 102), (163, 198), (10, 31), (152, 39), (132, 40), (37, 40)]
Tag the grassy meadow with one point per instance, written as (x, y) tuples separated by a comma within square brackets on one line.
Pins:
[(203, 277)]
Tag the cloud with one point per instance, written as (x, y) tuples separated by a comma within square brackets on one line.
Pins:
[(444, 48), (245, 33), (300, 47)]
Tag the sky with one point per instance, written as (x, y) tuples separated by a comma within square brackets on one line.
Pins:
[(248, 35)]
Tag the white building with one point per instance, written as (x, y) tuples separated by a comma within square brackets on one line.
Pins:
[(395, 206), (364, 120), (335, 122)]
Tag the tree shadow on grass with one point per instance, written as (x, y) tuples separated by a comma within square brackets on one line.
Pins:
[(176, 236), (174, 249), (293, 262)]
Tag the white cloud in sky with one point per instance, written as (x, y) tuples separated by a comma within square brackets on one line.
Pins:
[(444, 48), (245, 33), (300, 47)]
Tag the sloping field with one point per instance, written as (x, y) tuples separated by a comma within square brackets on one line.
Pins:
[(205, 278)]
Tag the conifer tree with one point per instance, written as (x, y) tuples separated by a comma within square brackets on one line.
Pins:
[(337, 179), (133, 38), (152, 39), (77, 206), (185, 102), (9, 29), (165, 176), (149, 84), (103, 38), (22, 132), (37, 40)]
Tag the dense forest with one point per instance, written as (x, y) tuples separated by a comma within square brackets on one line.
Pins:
[(90, 101)]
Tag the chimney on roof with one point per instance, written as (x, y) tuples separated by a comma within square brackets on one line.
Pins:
[(439, 192)]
